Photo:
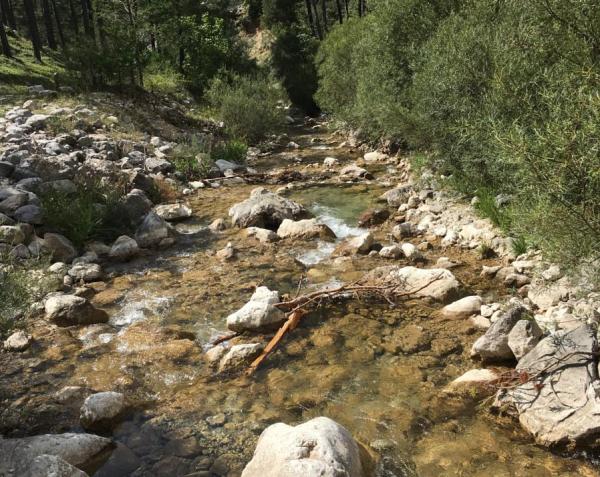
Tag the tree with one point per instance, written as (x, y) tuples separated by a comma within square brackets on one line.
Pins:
[(8, 14), (33, 30), (48, 24), (59, 25), (4, 39)]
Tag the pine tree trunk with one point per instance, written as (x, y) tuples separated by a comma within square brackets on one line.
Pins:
[(347, 10), (8, 14), (74, 21), (59, 27), (4, 39), (324, 10), (317, 21), (34, 33), (48, 24), (339, 11), (85, 15), (311, 20)]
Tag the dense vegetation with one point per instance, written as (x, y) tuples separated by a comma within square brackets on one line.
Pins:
[(501, 96), (504, 95)]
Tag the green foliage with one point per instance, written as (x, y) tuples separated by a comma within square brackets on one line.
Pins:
[(232, 151), (94, 211), (248, 105), (504, 94), (192, 159)]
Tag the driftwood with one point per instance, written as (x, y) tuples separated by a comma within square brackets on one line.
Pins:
[(297, 308)]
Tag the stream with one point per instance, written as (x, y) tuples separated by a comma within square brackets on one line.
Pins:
[(377, 370)]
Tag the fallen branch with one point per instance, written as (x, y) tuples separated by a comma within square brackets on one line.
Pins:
[(297, 308), (223, 338)]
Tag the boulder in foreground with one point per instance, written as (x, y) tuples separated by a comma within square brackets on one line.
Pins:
[(318, 448)]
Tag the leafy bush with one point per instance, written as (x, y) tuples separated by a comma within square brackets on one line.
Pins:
[(232, 151), (94, 211), (248, 105), (191, 158)]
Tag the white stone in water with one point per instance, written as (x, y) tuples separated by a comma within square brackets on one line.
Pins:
[(88, 272), (239, 355), (173, 211), (475, 376), (462, 308), (307, 228), (317, 448), (411, 252), (258, 313), (124, 248), (391, 251), (262, 235), (18, 341), (375, 156), (330, 162)]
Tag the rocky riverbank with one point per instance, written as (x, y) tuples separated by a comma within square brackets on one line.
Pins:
[(118, 340)]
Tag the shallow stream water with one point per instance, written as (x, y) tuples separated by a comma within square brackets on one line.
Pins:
[(377, 370)]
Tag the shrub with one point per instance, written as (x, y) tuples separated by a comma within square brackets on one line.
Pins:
[(248, 105), (191, 158), (232, 151), (94, 211)]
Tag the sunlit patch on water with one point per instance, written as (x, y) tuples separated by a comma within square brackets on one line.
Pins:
[(138, 310)]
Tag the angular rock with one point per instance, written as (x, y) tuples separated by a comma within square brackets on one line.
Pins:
[(561, 405), (52, 466), (173, 211), (101, 411), (392, 251), (317, 448), (6, 169), (355, 245), (435, 283), (60, 247), (307, 228), (258, 313), (411, 252), (155, 164), (373, 217), (493, 345), (18, 341), (354, 172), (88, 272), (375, 156), (266, 210), (463, 308), (29, 214), (217, 225), (238, 356), (137, 205), (396, 197), (152, 231), (11, 234), (75, 449), (402, 231), (227, 253), (262, 235), (524, 336), (124, 248), (545, 295), (9, 205), (68, 310), (481, 381)]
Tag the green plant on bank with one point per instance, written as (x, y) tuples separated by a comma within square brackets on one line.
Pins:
[(192, 159), (21, 284), (231, 151), (60, 124), (93, 211), (248, 105)]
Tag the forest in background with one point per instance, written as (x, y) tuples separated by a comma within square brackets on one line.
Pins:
[(499, 96)]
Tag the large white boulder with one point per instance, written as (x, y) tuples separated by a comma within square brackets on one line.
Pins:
[(266, 210), (173, 211), (493, 345), (561, 405), (238, 356), (524, 336), (318, 448), (258, 313)]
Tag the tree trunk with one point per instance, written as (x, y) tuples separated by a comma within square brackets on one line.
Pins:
[(33, 30), (347, 10), (74, 21), (85, 15), (59, 27), (4, 39), (360, 8), (338, 4), (317, 21), (8, 14), (324, 10), (311, 20), (48, 24)]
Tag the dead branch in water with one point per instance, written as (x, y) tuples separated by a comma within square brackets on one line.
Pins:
[(297, 308)]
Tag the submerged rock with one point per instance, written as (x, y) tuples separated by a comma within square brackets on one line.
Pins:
[(317, 448), (52, 466), (153, 231), (69, 310), (18, 455), (258, 313), (101, 411), (355, 245), (265, 209), (238, 356), (561, 405), (262, 235)]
